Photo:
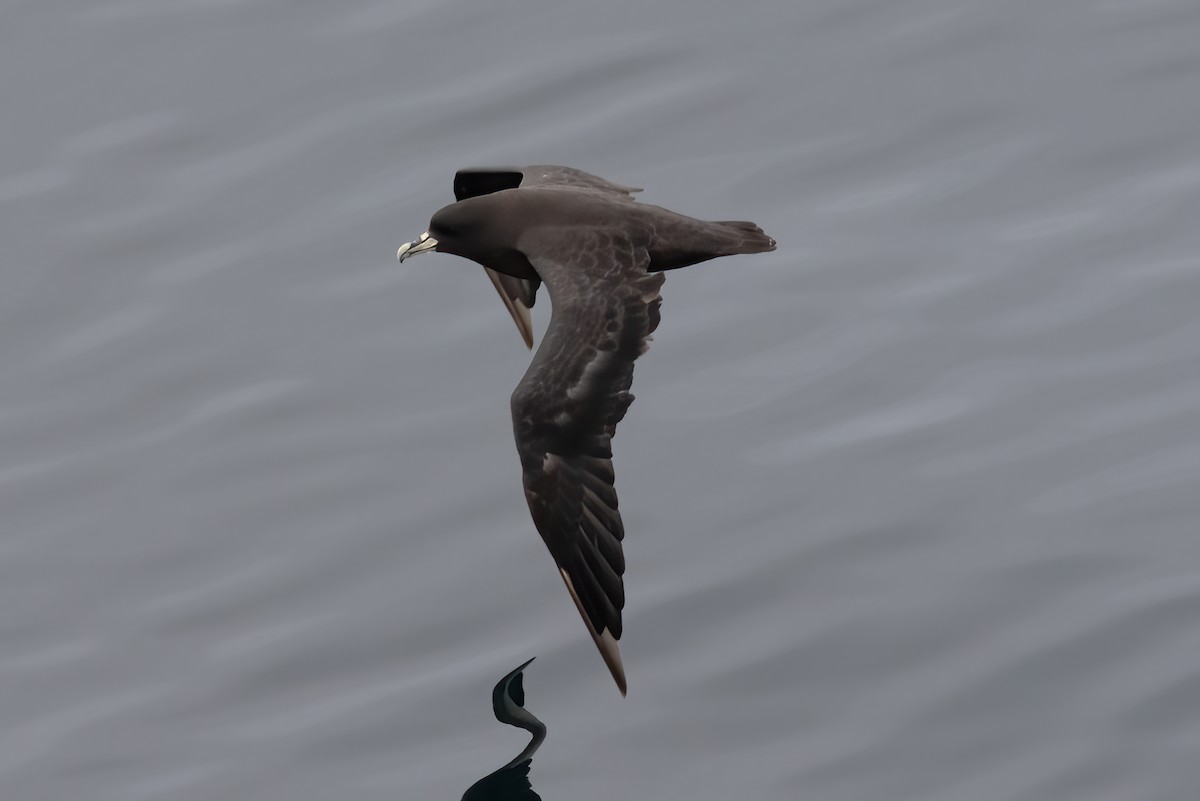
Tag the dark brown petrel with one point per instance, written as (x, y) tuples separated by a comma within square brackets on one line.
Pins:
[(601, 256)]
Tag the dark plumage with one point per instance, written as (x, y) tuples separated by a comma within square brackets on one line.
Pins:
[(601, 256)]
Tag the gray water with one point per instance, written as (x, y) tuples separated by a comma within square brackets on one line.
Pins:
[(913, 503)]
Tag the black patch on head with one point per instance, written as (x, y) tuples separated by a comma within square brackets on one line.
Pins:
[(476, 181)]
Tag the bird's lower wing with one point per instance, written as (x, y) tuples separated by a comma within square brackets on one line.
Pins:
[(566, 409)]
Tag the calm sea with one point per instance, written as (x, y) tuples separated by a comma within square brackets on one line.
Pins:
[(913, 503)]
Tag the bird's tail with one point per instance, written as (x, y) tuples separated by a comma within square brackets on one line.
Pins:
[(692, 241), (742, 236)]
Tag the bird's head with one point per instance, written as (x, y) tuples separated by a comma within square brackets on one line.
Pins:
[(464, 229)]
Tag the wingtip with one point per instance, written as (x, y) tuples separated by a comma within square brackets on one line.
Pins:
[(524, 323), (610, 649), (518, 310)]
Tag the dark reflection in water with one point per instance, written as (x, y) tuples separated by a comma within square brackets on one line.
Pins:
[(511, 782)]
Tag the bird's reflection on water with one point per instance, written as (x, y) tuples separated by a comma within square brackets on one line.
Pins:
[(511, 782)]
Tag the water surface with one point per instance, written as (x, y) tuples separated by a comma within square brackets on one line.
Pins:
[(911, 502)]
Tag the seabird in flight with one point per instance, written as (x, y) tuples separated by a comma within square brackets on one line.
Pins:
[(601, 256)]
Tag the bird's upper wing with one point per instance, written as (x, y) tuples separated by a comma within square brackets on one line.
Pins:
[(519, 295), (566, 410), (549, 175), (476, 181)]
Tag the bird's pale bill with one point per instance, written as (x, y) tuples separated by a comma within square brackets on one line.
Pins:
[(424, 242)]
